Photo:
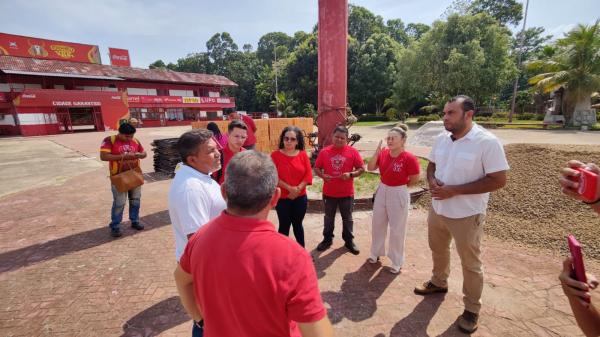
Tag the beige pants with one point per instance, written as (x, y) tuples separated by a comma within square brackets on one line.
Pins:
[(390, 208), (467, 233)]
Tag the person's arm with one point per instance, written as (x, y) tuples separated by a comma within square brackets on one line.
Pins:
[(431, 179), (359, 167), (105, 156), (489, 183), (320, 328), (585, 313), (570, 187), (414, 180), (374, 162), (185, 288)]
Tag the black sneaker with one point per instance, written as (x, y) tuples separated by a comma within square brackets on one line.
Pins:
[(324, 245), (115, 232), (137, 225), (352, 248)]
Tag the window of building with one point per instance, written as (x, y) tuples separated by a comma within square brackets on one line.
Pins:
[(174, 114)]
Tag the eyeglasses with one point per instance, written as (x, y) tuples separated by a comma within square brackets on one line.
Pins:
[(289, 139)]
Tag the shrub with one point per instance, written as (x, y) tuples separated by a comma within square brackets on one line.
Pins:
[(392, 114), (482, 119), (500, 115), (526, 116), (373, 118), (428, 118)]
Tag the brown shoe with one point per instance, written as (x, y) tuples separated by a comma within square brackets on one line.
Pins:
[(467, 322), (429, 288)]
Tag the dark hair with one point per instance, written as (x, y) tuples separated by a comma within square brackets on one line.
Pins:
[(212, 126), (236, 124), (126, 129), (227, 111), (189, 143), (467, 102), (342, 129), (299, 137), (250, 182)]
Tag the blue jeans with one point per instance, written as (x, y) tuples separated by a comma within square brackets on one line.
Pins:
[(119, 200), (197, 331), (291, 213)]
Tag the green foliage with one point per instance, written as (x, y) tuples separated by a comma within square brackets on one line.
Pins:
[(393, 114), (268, 43), (500, 115), (507, 12), (362, 23), (428, 118), (466, 54), (373, 118), (574, 65), (482, 119), (527, 116), (157, 64)]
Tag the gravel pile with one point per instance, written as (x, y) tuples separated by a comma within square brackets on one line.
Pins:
[(531, 209)]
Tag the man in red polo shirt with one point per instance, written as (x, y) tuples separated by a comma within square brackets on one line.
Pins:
[(250, 142), (237, 133), (338, 165), (240, 275)]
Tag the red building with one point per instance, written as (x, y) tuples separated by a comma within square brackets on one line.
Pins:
[(43, 93)]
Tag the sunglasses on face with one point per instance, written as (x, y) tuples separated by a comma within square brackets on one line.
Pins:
[(289, 139)]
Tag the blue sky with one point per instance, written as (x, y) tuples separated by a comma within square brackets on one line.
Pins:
[(169, 30)]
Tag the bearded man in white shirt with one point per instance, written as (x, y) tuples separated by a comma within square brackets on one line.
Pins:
[(465, 165)]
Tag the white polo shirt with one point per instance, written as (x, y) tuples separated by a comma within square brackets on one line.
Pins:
[(463, 161), (194, 199)]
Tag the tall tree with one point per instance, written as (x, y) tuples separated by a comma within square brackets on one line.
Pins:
[(267, 44), (575, 66), (396, 29), (301, 73), (157, 64), (465, 55), (416, 30), (507, 12), (221, 49), (372, 75), (362, 23)]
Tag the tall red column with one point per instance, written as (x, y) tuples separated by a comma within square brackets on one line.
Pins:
[(333, 63)]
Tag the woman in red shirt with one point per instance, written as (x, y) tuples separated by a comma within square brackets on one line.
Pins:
[(295, 172), (399, 169)]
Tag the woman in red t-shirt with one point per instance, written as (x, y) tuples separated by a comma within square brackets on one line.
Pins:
[(295, 172), (399, 169)]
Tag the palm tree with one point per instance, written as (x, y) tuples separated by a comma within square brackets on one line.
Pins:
[(286, 104), (575, 66)]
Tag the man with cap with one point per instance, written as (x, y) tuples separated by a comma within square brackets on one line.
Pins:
[(123, 152)]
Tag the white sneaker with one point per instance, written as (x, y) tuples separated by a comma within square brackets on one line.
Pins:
[(373, 260), (394, 269)]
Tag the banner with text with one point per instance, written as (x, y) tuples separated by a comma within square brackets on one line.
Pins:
[(23, 46)]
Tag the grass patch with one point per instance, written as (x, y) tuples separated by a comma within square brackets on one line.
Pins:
[(373, 123), (365, 185)]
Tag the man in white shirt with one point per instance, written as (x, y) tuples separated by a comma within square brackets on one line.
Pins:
[(465, 165), (194, 197)]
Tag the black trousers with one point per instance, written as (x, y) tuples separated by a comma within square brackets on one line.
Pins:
[(291, 213), (345, 205)]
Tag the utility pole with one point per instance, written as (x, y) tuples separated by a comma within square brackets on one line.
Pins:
[(276, 91), (520, 53)]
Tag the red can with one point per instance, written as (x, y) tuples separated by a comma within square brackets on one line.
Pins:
[(588, 184)]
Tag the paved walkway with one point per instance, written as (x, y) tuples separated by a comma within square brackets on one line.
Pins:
[(61, 274)]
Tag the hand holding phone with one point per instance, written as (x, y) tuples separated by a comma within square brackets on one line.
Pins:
[(577, 257)]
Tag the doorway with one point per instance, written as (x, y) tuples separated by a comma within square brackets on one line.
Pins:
[(84, 119)]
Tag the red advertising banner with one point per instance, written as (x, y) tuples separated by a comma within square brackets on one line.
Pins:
[(113, 105), (23, 46), (119, 57), (179, 100)]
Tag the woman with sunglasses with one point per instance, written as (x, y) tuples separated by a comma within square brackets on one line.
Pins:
[(295, 172), (398, 169)]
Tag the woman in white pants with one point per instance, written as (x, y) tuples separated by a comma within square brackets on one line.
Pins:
[(399, 169)]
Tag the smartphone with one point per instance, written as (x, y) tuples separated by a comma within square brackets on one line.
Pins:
[(588, 183), (577, 256)]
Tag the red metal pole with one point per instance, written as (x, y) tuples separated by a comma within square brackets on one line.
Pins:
[(333, 59)]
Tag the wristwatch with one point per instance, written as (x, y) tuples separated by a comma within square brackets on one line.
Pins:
[(199, 323)]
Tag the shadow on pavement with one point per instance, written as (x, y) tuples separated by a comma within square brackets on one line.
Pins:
[(415, 324), (357, 298), (322, 262), (160, 317), (23, 257)]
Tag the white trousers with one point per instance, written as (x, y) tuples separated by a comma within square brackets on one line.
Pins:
[(390, 208)]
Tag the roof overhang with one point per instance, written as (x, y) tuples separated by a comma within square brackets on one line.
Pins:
[(34, 73)]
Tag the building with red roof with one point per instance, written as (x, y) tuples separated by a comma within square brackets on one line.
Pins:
[(50, 87)]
